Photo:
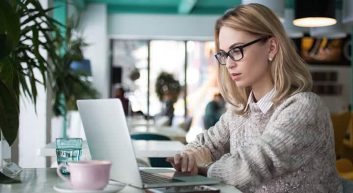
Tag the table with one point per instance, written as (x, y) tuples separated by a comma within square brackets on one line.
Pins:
[(139, 121), (174, 133), (143, 148), (153, 148), (140, 125), (39, 180)]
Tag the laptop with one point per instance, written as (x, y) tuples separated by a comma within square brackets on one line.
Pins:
[(108, 138)]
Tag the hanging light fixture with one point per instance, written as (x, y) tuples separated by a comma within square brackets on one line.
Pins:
[(277, 6), (333, 31), (314, 13), (292, 30)]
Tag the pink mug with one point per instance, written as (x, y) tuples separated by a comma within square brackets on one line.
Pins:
[(87, 175)]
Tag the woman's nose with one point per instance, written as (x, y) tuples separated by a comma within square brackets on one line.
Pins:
[(230, 63)]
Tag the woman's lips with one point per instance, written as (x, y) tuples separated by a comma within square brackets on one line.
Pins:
[(235, 76)]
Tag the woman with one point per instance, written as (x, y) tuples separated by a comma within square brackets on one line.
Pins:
[(278, 135)]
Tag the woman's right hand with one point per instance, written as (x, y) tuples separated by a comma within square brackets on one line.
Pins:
[(184, 162), (191, 160)]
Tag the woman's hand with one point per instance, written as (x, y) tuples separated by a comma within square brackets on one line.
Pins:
[(202, 156), (184, 162), (191, 159)]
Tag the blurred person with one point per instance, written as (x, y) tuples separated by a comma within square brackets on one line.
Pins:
[(213, 111), (120, 94), (277, 136), (168, 108)]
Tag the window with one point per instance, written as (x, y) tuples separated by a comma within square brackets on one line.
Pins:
[(192, 63)]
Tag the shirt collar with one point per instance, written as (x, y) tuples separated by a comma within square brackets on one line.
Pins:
[(265, 103)]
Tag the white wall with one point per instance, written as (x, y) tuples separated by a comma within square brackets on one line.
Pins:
[(32, 131), (161, 26), (94, 28)]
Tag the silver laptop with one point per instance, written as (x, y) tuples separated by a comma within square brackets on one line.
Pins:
[(108, 138)]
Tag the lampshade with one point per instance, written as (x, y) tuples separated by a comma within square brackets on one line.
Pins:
[(314, 13), (292, 30), (277, 6), (347, 11), (82, 67), (333, 31)]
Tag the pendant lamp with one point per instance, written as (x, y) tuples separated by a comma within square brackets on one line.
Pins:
[(314, 13), (332, 31)]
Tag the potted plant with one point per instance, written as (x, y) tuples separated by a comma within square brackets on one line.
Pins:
[(167, 84), (79, 87), (25, 29)]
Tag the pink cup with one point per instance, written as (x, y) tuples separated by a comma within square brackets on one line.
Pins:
[(87, 175)]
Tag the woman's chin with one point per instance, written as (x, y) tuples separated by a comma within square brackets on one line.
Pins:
[(241, 84)]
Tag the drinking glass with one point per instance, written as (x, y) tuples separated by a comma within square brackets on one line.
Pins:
[(68, 150)]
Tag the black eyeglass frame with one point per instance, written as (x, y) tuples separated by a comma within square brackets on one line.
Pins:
[(241, 49)]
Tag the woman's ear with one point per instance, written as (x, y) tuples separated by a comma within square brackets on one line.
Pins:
[(273, 47)]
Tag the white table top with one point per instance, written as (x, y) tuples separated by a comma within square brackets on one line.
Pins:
[(152, 148), (41, 180), (143, 148)]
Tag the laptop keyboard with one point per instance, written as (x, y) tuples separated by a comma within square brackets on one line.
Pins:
[(150, 178)]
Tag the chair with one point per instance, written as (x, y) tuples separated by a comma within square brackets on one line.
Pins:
[(154, 161), (340, 122), (348, 140), (345, 168)]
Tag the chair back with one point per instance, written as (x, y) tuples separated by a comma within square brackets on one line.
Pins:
[(149, 136), (348, 140), (340, 122)]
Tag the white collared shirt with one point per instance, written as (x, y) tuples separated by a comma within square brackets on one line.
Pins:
[(265, 103)]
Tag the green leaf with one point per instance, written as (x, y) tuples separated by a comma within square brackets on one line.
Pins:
[(9, 28), (6, 71), (20, 42), (9, 111), (36, 52)]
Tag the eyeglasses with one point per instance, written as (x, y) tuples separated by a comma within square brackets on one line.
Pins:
[(236, 53)]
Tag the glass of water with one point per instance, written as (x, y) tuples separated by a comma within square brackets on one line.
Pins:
[(68, 150)]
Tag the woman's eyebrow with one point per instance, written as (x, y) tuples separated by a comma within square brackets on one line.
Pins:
[(234, 45), (231, 46)]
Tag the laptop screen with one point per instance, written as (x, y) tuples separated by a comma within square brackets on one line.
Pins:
[(108, 137)]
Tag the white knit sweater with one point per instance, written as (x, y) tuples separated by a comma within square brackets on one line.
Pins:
[(288, 149)]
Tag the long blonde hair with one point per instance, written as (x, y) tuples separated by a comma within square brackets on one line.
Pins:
[(289, 73)]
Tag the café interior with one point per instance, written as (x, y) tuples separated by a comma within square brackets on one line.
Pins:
[(157, 56)]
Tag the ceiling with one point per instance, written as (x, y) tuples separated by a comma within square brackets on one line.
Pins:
[(193, 7)]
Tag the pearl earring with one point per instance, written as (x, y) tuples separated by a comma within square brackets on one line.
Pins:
[(270, 59)]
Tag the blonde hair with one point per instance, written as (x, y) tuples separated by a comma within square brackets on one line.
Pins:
[(289, 73)]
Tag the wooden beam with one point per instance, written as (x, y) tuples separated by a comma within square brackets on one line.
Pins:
[(186, 6)]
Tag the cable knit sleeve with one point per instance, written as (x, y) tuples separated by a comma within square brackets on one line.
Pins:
[(296, 130), (216, 139)]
